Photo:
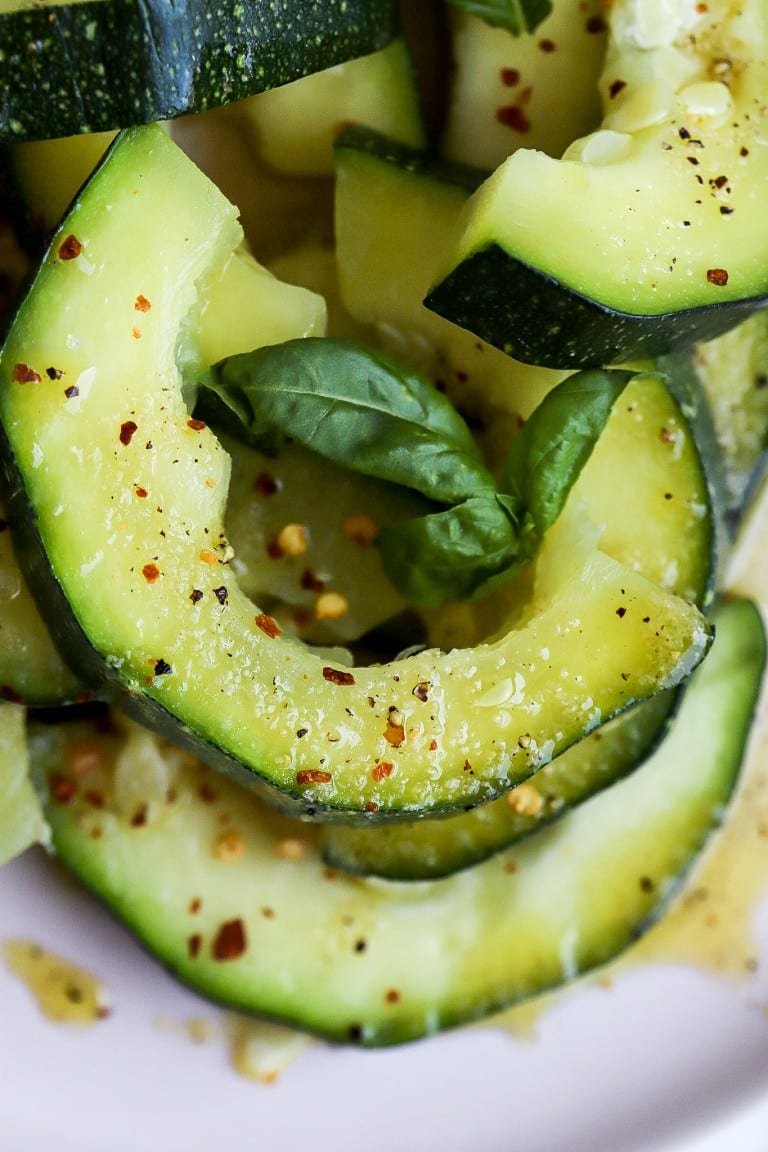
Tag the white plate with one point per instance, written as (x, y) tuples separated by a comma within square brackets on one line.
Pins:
[(664, 1056)]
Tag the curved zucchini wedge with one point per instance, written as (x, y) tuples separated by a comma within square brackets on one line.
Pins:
[(625, 279), (659, 522), (111, 63), (236, 901), (127, 495)]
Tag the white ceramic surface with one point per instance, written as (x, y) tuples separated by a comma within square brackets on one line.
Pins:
[(666, 1058)]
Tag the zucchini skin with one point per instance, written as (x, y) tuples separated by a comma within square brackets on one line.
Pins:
[(112, 63), (491, 292), (386, 963)]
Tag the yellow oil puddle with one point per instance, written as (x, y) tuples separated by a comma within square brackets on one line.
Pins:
[(64, 992)]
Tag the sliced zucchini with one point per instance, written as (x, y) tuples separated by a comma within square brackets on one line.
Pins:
[(70, 68), (660, 238), (506, 92), (31, 670), (235, 900), (142, 588), (657, 521), (21, 817), (294, 126)]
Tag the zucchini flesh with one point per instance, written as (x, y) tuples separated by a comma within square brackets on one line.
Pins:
[(660, 240), (120, 573), (106, 64), (235, 899), (21, 816), (506, 92)]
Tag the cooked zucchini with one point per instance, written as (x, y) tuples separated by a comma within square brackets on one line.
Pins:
[(21, 818), (661, 240), (235, 899), (126, 495), (70, 68)]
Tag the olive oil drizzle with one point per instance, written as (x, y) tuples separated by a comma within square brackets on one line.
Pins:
[(64, 992)]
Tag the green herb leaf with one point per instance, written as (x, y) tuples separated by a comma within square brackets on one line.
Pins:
[(360, 409), (364, 411), (450, 555), (517, 16), (555, 443)]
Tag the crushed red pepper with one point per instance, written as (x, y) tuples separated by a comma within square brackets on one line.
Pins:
[(151, 573), (230, 941), (268, 626), (23, 374), (142, 304), (312, 776), (382, 771), (70, 248), (336, 676), (127, 429), (717, 276)]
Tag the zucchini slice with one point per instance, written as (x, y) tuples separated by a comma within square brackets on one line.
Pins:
[(21, 817), (506, 92), (647, 234), (126, 494), (105, 64), (236, 901)]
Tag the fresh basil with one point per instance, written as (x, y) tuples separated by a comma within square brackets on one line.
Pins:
[(364, 411), (517, 16)]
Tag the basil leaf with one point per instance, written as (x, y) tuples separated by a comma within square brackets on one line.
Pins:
[(517, 16), (359, 409), (555, 443), (450, 555)]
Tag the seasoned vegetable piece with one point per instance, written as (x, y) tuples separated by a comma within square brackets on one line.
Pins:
[(21, 818), (109, 63), (236, 901), (143, 588), (661, 240)]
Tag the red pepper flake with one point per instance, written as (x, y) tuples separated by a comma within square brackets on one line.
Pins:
[(136, 333), (195, 905), (509, 77), (140, 816), (230, 942), (196, 425), (310, 582), (70, 248), (206, 794), (596, 25), (23, 374), (392, 996), (194, 944), (468, 768), (371, 806), (433, 745), (62, 788), (94, 798), (547, 45), (151, 573), (162, 668), (141, 492), (269, 626), (336, 676), (717, 276), (312, 776), (127, 429), (616, 87), (266, 484), (382, 771), (142, 304), (512, 116), (71, 391), (54, 373)]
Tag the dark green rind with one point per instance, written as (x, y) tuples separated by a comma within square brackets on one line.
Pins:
[(536, 319), (421, 162), (89, 67), (570, 899)]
